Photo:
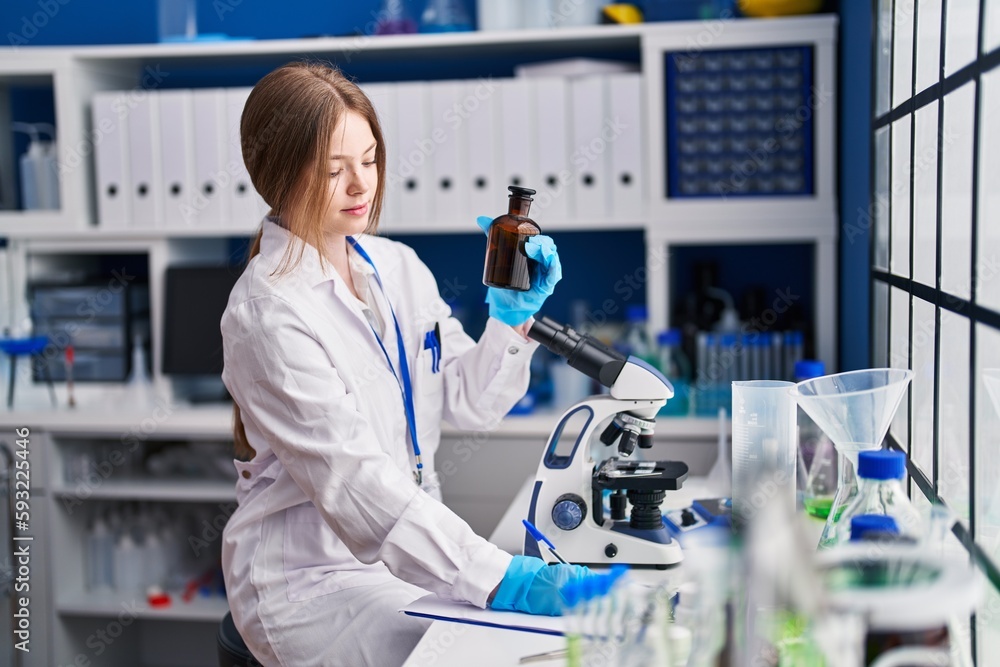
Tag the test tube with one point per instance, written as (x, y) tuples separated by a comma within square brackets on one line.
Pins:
[(778, 354), (728, 360), (766, 372), (793, 349), (755, 365), (711, 384), (745, 352)]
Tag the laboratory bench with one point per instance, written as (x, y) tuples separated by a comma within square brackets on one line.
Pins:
[(448, 644)]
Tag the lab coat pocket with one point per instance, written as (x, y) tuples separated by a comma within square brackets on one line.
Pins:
[(428, 403), (315, 560)]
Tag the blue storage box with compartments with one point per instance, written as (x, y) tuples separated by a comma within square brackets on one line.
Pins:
[(739, 122)]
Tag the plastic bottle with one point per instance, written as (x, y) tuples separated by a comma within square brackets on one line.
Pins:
[(507, 267), (39, 175), (445, 16), (128, 565), (635, 337), (100, 557), (820, 465), (154, 560), (676, 366), (493, 15), (140, 387), (879, 492), (393, 19), (872, 527)]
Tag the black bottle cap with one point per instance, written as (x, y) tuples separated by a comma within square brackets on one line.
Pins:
[(516, 191)]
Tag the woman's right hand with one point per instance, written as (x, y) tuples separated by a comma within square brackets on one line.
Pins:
[(532, 587)]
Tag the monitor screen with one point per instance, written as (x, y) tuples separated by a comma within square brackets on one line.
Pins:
[(196, 297)]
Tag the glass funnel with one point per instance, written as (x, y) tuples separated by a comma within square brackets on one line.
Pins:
[(854, 409)]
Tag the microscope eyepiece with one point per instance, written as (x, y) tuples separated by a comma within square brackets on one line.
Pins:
[(581, 351)]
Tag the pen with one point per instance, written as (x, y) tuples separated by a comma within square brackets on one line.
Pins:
[(440, 347), (537, 534), (543, 657)]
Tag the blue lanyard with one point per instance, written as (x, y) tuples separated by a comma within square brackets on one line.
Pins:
[(406, 388)]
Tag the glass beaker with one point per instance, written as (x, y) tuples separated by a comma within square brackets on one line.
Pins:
[(855, 410), (507, 266)]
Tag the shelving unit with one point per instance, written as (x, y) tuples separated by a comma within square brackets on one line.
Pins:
[(106, 413)]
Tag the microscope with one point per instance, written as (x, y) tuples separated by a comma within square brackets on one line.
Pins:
[(567, 499)]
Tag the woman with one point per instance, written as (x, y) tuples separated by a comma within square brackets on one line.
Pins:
[(342, 360)]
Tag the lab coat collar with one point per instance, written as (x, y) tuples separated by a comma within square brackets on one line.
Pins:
[(276, 238), (273, 242)]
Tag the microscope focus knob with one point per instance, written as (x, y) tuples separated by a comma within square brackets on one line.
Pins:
[(568, 511)]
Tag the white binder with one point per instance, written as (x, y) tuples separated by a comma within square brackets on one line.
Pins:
[(628, 182), (246, 207), (516, 124), (209, 200), (410, 170), (591, 147), (176, 158), (487, 191), (111, 159), (448, 182), (144, 161), (550, 102), (382, 96)]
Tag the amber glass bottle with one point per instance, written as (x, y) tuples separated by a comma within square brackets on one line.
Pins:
[(507, 267)]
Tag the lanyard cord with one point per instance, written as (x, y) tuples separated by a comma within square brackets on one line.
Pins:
[(403, 379)]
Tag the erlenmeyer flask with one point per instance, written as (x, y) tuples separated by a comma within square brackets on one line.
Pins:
[(822, 478), (855, 410)]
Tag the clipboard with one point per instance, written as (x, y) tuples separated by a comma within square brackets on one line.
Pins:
[(438, 609)]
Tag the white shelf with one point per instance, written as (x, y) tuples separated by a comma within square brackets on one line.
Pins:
[(216, 422), (108, 605), (165, 490), (361, 46), (39, 228), (29, 224)]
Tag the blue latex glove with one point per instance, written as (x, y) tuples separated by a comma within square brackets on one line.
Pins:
[(532, 587), (513, 307)]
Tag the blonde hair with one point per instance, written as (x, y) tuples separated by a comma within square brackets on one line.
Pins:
[(285, 134)]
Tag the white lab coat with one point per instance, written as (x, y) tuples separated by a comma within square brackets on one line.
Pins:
[(330, 519)]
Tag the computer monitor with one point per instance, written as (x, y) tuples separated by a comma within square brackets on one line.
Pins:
[(196, 298)]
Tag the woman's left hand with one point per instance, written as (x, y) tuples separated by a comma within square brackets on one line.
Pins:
[(513, 307)]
